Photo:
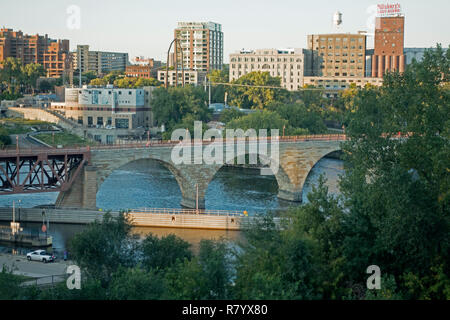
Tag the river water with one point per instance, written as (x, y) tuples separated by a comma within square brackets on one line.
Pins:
[(146, 183)]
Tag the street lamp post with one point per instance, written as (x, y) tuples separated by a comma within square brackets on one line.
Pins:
[(20, 207)]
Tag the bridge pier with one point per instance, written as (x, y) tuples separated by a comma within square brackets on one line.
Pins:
[(292, 196), (193, 182), (83, 193)]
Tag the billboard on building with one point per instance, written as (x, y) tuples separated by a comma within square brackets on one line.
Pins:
[(389, 10)]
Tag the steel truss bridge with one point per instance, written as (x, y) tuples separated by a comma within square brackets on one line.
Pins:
[(44, 170)]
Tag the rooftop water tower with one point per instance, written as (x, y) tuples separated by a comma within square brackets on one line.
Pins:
[(337, 20)]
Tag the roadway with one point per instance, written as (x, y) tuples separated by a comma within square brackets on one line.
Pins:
[(25, 142), (34, 269)]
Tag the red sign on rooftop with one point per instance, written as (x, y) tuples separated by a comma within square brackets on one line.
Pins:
[(389, 10)]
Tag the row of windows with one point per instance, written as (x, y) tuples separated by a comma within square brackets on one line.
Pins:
[(109, 92), (339, 47), (338, 54), (266, 66), (259, 59), (345, 74), (339, 39), (273, 74), (344, 61)]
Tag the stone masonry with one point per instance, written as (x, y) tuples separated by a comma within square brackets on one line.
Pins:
[(296, 159)]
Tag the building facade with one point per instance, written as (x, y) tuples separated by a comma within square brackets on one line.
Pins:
[(201, 45), (288, 64), (389, 45), (107, 107), (143, 68), (338, 55), (190, 77), (52, 54), (138, 71), (101, 62)]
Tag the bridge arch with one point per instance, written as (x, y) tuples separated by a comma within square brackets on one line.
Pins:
[(144, 181), (84, 190), (280, 176), (295, 161), (298, 165)]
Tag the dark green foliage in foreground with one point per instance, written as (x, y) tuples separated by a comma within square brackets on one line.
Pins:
[(393, 213)]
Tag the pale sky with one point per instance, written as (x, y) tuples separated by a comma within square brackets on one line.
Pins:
[(145, 27)]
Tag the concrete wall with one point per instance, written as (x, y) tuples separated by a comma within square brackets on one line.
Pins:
[(190, 221)]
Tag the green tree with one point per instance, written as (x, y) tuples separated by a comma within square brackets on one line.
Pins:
[(397, 189), (104, 247), (5, 139), (31, 72), (218, 90), (11, 74), (249, 94), (165, 252), (259, 120), (144, 82), (98, 82), (89, 75), (274, 263), (299, 116), (207, 276), (45, 86), (9, 285), (136, 284), (230, 114), (171, 106)]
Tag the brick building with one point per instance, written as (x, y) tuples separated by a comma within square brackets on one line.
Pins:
[(389, 45), (338, 55), (52, 54), (143, 68)]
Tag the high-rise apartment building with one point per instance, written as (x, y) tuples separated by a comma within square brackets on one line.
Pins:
[(53, 55), (99, 61), (201, 45), (389, 45), (338, 55), (288, 64)]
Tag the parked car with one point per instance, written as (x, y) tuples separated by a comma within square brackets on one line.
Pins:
[(40, 255)]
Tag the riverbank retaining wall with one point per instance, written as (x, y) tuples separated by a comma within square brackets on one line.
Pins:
[(163, 220)]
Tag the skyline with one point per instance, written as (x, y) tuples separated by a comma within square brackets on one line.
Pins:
[(143, 30)]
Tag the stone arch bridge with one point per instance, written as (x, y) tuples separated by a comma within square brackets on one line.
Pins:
[(297, 156)]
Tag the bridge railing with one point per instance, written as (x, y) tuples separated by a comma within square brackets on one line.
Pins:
[(168, 143), (163, 143), (35, 151), (175, 211)]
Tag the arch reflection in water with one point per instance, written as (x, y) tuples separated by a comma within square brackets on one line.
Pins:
[(138, 184)]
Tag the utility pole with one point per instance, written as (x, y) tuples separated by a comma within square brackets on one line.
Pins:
[(196, 198), (209, 92)]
